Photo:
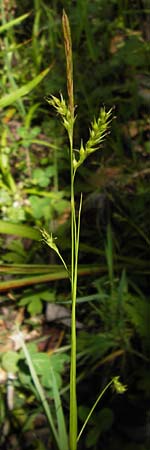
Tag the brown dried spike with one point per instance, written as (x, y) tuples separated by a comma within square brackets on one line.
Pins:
[(69, 60)]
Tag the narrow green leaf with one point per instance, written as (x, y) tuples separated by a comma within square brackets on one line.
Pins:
[(28, 281), (11, 98), (63, 437), (28, 269), (39, 388), (13, 22), (14, 284), (19, 230)]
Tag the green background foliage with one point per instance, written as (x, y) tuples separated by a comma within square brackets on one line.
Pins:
[(111, 54)]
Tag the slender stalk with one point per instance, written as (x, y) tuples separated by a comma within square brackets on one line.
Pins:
[(98, 131), (73, 398), (117, 386), (74, 237), (93, 407)]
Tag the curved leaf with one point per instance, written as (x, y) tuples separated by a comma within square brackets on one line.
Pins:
[(13, 22), (11, 98)]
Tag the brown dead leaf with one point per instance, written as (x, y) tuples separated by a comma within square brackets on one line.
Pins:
[(133, 128), (116, 42), (3, 376)]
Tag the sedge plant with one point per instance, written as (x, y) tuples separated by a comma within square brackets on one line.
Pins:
[(98, 131)]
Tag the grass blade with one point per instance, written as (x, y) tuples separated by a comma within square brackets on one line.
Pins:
[(14, 22), (62, 432), (20, 230), (11, 98), (39, 389)]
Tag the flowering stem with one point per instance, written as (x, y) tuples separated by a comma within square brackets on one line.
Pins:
[(74, 236), (73, 398), (118, 387), (98, 131)]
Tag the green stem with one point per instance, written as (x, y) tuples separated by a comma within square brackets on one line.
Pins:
[(73, 410), (93, 407), (73, 398), (73, 221)]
